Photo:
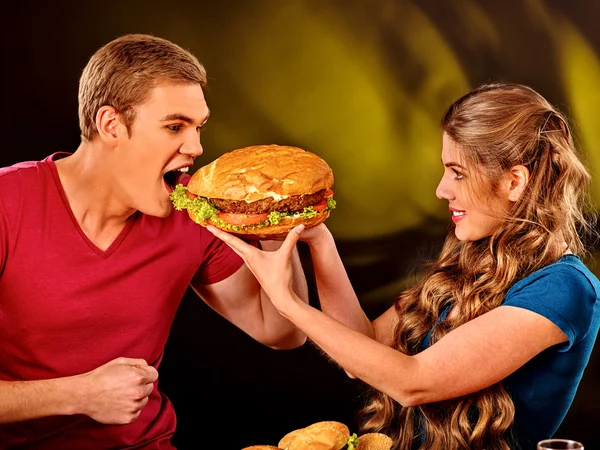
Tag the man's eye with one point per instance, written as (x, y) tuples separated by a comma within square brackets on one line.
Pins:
[(174, 128)]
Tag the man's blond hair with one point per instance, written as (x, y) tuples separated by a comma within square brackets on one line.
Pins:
[(122, 74)]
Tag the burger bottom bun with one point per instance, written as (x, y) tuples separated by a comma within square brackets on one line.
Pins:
[(278, 231), (261, 447), (374, 441)]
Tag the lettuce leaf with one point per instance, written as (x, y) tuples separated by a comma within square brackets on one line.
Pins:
[(200, 206), (330, 203), (352, 443)]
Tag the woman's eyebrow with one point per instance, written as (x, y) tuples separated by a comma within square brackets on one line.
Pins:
[(453, 164)]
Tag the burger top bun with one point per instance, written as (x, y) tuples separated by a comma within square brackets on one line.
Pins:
[(288, 438), (374, 441), (318, 436), (261, 171)]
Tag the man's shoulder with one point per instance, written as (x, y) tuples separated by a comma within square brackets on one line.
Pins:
[(18, 177), (18, 167), (23, 180), (29, 167), (25, 170)]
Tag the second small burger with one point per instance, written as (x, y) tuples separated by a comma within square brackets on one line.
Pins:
[(259, 190)]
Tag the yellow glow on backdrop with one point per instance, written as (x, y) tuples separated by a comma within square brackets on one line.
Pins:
[(364, 84), (580, 70), (335, 95), (477, 26)]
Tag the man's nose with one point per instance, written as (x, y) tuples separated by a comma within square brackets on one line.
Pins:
[(192, 147)]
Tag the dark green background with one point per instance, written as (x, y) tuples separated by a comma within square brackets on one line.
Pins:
[(361, 83)]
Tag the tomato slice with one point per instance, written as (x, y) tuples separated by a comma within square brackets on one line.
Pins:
[(328, 193), (320, 207), (190, 195), (243, 219)]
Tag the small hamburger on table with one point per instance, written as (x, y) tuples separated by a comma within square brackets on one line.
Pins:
[(328, 435), (262, 190)]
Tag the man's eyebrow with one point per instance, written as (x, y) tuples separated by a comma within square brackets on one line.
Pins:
[(206, 119), (183, 118)]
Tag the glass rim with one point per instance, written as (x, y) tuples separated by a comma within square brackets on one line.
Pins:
[(564, 441)]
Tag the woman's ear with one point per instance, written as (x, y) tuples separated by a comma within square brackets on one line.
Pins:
[(518, 177), (109, 125)]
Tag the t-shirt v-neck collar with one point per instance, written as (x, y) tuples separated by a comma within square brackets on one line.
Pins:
[(120, 237)]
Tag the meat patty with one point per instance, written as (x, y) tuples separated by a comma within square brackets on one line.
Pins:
[(293, 203)]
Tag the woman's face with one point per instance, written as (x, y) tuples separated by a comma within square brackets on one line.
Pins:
[(476, 210)]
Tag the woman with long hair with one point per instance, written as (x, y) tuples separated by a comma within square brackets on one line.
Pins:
[(486, 351)]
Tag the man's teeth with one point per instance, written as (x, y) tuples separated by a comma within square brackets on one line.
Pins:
[(458, 213), (183, 169)]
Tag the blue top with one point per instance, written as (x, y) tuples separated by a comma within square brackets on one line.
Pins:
[(566, 293)]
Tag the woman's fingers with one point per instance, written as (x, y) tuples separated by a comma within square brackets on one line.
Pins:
[(291, 240), (244, 249)]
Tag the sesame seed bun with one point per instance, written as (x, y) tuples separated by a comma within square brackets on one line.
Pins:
[(374, 441), (327, 435), (261, 171)]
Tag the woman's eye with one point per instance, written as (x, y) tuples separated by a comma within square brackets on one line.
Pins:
[(458, 175)]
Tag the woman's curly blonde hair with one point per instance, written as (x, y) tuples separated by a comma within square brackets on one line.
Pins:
[(496, 126)]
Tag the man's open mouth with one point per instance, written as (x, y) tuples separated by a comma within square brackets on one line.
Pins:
[(173, 177)]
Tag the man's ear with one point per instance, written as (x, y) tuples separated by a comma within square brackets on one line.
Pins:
[(108, 123), (518, 177)]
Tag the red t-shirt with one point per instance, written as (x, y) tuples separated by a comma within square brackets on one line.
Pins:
[(67, 307)]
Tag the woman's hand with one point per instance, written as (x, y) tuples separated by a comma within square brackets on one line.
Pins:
[(272, 269), (316, 237)]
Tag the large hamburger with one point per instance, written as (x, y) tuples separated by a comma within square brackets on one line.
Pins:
[(260, 190)]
